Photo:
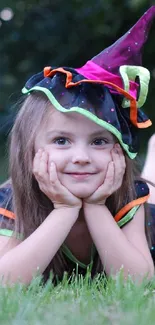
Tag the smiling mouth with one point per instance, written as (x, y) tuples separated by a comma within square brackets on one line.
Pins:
[(80, 175)]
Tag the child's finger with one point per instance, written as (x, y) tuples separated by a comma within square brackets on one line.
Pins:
[(40, 165), (121, 156), (107, 186), (43, 164), (36, 162), (118, 158), (57, 187), (53, 175), (110, 174), (119, 161)]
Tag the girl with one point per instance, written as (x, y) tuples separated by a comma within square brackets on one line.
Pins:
[(74, 195)]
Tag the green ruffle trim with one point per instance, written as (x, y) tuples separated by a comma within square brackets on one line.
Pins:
[(128, 216), (6, 232), (10, 233), (68, 253), (84, 112)]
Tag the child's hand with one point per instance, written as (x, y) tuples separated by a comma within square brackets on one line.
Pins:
[(49, 183), (113, 178)]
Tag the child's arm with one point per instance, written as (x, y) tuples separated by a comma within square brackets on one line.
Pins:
[(126, 248), (117, 248), (35, 253)]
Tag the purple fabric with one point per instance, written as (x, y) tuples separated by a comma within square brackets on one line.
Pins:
[(98, 99), (92, 71), (128, 49)]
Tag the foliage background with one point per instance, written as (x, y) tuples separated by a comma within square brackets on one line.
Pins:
[(44, 32)]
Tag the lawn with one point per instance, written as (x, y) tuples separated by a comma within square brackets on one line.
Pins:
[(83, 301)]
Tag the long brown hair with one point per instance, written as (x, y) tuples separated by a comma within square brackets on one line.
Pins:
[(30, 204)]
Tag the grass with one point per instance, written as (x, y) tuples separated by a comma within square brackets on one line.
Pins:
[(96, 302)]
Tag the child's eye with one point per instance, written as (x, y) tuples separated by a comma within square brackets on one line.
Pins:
[(100, 142), (61, 141)]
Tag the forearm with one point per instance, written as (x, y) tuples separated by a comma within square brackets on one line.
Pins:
[(36, 252), (114, 248)]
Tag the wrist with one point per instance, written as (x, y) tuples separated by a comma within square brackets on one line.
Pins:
[(87, 205), (92, 211), (68, 212), (67, 207)]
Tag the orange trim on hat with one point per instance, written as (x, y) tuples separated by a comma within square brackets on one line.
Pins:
[(129, 206), (48, 72), (7, 213)]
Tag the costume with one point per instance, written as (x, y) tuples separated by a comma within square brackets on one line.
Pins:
[(126, 214), (107, 91)]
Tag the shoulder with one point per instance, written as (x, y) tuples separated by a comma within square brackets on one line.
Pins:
[(5, 193), (7, 217), (142, 190), (6, 201), (129, 210)]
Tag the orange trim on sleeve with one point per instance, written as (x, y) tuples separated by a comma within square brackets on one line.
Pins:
[(7, 213), (48, 72), (129, 206)]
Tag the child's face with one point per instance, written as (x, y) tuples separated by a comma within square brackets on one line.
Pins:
[(80, 149)]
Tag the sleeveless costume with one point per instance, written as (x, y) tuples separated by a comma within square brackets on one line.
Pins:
[(109, 90), (125, 215)]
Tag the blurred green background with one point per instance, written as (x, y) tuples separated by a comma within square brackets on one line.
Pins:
[(36, 33)]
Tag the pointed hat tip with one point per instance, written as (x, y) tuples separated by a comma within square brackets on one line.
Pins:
[(127, 49)]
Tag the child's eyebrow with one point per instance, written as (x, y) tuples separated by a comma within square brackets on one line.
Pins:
[(69, 134), (59, 132)]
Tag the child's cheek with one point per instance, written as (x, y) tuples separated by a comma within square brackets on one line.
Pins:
[(104, 157)]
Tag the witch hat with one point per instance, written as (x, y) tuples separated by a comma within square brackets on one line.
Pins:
[(105, 88), (127, 50)]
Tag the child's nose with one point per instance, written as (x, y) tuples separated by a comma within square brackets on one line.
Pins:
[(81, 157)]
